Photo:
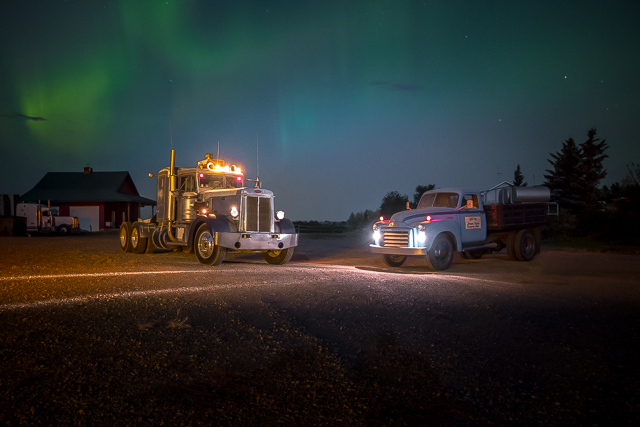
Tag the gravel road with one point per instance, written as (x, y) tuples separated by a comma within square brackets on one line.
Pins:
[(93, 336)]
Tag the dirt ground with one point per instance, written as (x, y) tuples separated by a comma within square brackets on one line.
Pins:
[(335, 337)]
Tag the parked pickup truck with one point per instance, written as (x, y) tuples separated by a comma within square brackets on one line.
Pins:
[(468, 221)]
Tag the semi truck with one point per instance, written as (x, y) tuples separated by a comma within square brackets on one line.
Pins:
[(19, 219), (468, 221), (207, 209)]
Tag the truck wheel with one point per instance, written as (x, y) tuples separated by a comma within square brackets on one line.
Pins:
[(394, 260), (511, 246), (138, 244), (64, 230), (525, 245), (206, 250), (474, 254), (441, 252), (151, 248), (278, 257), (125, 236)]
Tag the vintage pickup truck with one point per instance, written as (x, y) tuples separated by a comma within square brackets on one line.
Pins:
[(469, 221)]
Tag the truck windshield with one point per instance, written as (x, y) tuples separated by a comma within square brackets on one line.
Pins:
[(214, 181), (438, 200)]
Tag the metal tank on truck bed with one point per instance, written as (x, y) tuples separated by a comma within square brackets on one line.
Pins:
[(208, 210)]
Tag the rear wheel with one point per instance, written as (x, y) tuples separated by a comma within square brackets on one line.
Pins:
[(151, 248), (525, 247), (125, 236), (206, 250), (441, 252), (138, 244), (394, 260), (278, 257)]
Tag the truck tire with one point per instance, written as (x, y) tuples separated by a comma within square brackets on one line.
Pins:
[(125, 236), (64, 230), (441, 252), (525, 245), (138, 244), (206, 250), (151, 248), (394, 260), (278, 257)]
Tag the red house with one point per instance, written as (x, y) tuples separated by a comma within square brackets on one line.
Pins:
[(99, 199)]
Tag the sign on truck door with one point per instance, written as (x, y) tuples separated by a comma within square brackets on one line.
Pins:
[(473, 224)]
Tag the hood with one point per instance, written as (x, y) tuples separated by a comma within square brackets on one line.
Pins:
[(418, 215)]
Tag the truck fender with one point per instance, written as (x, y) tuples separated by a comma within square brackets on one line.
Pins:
[(448, 227), (286, 226), (215, 224)]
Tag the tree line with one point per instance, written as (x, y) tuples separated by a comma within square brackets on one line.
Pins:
[(586, 208)]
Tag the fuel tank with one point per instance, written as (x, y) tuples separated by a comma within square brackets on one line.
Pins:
[(537, 194)]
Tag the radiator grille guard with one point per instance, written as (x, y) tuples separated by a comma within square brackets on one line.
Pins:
[(258, 214), (396, 238)]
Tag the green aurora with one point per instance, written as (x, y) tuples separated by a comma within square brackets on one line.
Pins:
[(451, 93)]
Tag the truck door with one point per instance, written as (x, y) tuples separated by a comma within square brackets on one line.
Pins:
[(473, 223)]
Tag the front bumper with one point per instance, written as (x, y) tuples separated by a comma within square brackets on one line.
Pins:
[(393, 250), (256, 241)]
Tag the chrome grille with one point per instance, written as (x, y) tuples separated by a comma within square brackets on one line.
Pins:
[(395, 238), (258, 215)]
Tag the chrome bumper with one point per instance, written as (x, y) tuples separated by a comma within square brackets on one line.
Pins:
[(256, 241), (392, 250)]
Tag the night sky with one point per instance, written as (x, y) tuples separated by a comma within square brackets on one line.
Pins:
[(346, 100)]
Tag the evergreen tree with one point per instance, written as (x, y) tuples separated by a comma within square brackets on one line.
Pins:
[(362, 219), (518, 178), (591, 170), (566, 172), (420, 190), (393, 202), (352, 221), (633, 176)]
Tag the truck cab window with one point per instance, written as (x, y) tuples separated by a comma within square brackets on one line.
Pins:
[(438, 200), (230, 182), (187, 183), (209, 182), (470, 201)]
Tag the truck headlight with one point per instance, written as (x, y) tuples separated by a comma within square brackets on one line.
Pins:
[(376, 237), (422, 236), (234, 212), (280, 215)]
